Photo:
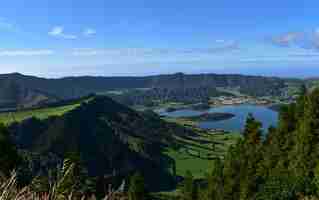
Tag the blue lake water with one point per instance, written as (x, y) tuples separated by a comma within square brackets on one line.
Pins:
[(263, 114)]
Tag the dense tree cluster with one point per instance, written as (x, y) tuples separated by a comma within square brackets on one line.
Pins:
[(283, 165)]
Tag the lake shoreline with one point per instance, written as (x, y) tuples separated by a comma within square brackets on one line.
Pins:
[(268, 117)]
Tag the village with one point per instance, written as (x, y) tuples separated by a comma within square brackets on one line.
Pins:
[(226, 100)]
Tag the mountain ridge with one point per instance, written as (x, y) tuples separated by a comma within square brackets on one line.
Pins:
[(18, 90)]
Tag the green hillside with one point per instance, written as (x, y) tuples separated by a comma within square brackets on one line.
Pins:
[(110, 137), (41, 113), (196, 154)]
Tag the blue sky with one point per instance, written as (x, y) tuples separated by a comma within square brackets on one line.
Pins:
[(110, 38)]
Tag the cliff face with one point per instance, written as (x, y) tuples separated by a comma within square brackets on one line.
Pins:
[(20, 90)]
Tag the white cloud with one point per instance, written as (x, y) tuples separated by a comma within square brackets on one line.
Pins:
[(219, 41), (58, 31), (89, 32), (87, 52), (40, 52)]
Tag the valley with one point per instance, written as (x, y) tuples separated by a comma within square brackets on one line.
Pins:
[(159, 100), (170, 132)]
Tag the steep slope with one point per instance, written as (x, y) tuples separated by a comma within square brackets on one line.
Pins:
[(111, 139)]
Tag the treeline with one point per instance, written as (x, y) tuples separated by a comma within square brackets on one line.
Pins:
[(282, 165)]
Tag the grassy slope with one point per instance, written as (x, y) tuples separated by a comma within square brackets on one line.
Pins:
[(196, 157), (41, 113), (187, 155), (195, 154)]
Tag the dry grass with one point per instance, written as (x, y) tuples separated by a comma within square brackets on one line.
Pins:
[(10, 191)]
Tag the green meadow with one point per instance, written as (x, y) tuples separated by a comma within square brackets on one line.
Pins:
[(41, 113), (196, 153)]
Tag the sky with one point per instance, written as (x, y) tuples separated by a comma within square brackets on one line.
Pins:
[(145, 37)]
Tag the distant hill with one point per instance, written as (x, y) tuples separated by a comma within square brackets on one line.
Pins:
[(112, 139), (17, 90)]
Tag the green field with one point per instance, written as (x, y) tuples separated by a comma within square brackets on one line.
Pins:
[(197, 157), (42, 113), (196, 153)]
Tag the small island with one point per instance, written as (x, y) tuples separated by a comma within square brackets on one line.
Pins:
[(171, 109), (200, 106), (210, 117)]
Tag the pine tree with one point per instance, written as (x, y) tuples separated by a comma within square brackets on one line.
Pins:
[(300, 105), (252, 131), (307, 138), (231, 172), (250, 158)]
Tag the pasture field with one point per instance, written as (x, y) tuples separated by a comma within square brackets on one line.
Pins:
[(196, 153)]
